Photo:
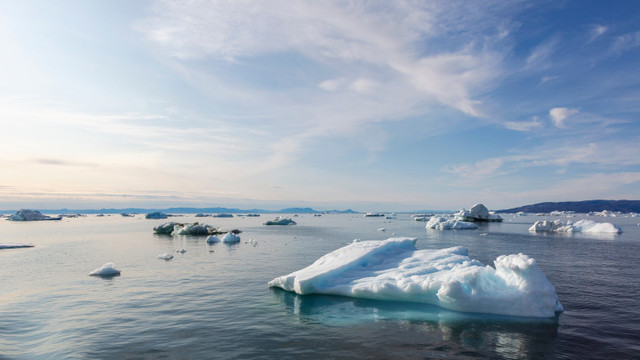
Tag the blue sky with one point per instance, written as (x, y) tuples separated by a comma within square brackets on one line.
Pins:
[(371, 105)]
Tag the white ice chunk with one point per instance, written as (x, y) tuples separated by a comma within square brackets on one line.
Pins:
[(584, 226), (165, 256), (231, 238), (440, 223), (106, 270), (395, 270), (181, 251)]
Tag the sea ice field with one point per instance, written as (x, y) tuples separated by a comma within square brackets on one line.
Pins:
[(225, 300)]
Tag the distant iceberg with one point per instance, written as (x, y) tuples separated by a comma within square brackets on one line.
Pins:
[(395, 270), (31, 215), (106, 270), (373, 214), (15, 246), (156, 215), (583, 226), (280, 221), (440, 223), (478, 213)]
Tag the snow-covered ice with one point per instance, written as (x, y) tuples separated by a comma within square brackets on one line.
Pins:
[(440, 223), (584, 226), (156, 215), (106, 270), (192, 229), (231, 238), (394, 269), (165, 256)]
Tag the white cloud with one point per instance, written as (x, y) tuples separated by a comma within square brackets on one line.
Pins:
[(560, 114), (626, 42), (477, 170), (523, 125), (596, 31)]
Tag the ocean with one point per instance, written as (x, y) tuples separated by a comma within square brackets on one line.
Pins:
[(213, 302)]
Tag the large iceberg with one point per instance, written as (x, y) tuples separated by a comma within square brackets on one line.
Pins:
[(584, 226), (31, 215), (394, 269), (156, 215), (231, 238), (440, 223), (478, 212)]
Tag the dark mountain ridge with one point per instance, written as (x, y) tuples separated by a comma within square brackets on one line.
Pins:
[(585, 206)]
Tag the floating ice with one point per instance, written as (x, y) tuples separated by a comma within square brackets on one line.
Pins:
[(193, 229), (280, 221), (106, 270), (231, 238), (382, 229), (156, 215), (212, 239), (31, 215), (478, 212), (395, 270), (181, 251), (165, 256), (166, 228), (440, 223), (15, 246), (584, 226)]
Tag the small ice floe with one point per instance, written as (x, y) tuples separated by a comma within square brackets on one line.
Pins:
[(181, 251), (15, 246), (231, 238), (253, 242), (382, 229), (440, 223), (280, 221), (222, 215), (212, 239), (106, 270), (395, 270), (373, 214), (165, 256), (31, 215), (582, 226), (156, 215), (478, 213)]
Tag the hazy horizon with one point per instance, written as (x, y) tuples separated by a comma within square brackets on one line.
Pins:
[(401, 105)]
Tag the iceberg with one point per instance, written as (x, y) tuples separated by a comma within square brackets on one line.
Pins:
[(31, 215), (440, 223), (156, 215), (106, 270), (193, 229), (165, 256), (395, 270), (231, 238), (15, 246), (479, 213), (165, 229), (212, 239), (583, 226), (280, 221)]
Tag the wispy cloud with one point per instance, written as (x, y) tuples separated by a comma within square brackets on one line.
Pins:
[(560, 114), (596, 31), (626, 42), (523, 125)]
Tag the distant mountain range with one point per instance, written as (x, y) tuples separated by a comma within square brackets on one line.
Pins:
[(586, 206), (188, 210)]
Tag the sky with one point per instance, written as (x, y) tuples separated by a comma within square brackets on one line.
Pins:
[(369, 105)]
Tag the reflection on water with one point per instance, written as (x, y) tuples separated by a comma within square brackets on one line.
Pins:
[(511, 337)]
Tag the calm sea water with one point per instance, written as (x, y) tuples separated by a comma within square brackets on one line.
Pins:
[(213, 301)]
